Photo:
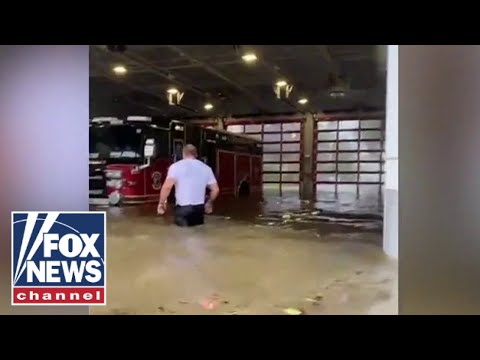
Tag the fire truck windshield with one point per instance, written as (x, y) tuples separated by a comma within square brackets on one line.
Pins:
[(115, 142)]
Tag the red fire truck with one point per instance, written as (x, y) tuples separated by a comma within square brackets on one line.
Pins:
[(129, 158)]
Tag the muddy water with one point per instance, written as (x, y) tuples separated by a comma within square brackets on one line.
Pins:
[(249, 258)]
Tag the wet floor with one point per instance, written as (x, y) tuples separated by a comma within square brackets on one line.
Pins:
[(249, 258)]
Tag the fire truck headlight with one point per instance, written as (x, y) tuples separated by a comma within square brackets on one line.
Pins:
[(116, 184), (114, 198), (113, 174)]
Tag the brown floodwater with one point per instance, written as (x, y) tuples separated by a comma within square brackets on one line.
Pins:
[(249, 258)]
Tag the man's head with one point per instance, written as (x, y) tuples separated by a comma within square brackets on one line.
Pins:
[(189, 152)]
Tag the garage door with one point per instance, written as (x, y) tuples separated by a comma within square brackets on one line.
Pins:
[(349, 158), (282, 149)]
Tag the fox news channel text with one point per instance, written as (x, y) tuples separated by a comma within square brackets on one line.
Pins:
[(58, 258)]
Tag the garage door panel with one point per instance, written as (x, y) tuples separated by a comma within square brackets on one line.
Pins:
[(271, 157), (349, 156), (291, 147), (291, 168), (281, 152), (272, 138), (348, 124), (331, 135), (291, 126), (348, 145), (290, 157), (253, 129), (371, 124)]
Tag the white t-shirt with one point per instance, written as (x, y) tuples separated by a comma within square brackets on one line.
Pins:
[(191, 180)]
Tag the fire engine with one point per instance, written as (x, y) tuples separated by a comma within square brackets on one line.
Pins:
[(129, 158)]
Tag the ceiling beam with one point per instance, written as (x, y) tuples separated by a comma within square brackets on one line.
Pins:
[(141, 104), (281, 75), (333, 65), (327, 56), (168, 68), (139, 88), (250, 95), (147, 92), (171, 78)]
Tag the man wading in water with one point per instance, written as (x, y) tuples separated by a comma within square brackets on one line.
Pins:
[(191, 177)]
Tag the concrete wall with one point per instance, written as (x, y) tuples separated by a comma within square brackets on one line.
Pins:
[(390, 231)]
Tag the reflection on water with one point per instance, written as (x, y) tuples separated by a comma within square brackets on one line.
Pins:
[(327, 215), (348, 203)]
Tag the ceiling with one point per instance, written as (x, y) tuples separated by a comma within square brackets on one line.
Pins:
[(218, 75)]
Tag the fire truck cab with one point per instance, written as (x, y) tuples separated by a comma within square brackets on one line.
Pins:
[(129, 159)]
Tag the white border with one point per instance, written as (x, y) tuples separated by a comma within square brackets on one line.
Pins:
[(104, 258)]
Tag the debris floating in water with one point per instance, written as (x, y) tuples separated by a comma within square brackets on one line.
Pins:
[(293, 311), (315, 300), (286, 216), (314, 212), (209, 304), (271, 223), (212, 302)]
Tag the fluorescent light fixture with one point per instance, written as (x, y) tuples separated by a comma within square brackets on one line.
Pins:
[(303, 101), (208, 106), (111, 120), (103, 119), (281, 83), (139, 118), (337, 93), (172, 91), (120, 70), (249, 57)]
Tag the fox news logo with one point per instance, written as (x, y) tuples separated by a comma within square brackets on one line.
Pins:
[(58, 258)]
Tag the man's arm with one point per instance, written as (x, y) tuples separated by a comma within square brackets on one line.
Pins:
[(214, 191), (166, 190)]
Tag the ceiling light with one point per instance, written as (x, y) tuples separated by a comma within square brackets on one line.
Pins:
[(172, 91), (119, 70), (337, 93), (303, 101), (281, 83), (249, 57), (208, 106)]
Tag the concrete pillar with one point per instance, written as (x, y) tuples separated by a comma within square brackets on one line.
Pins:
[(390, 223), (220, 124), (308, 182)]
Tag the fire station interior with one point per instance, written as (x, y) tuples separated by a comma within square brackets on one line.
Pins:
[(314, 244)]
